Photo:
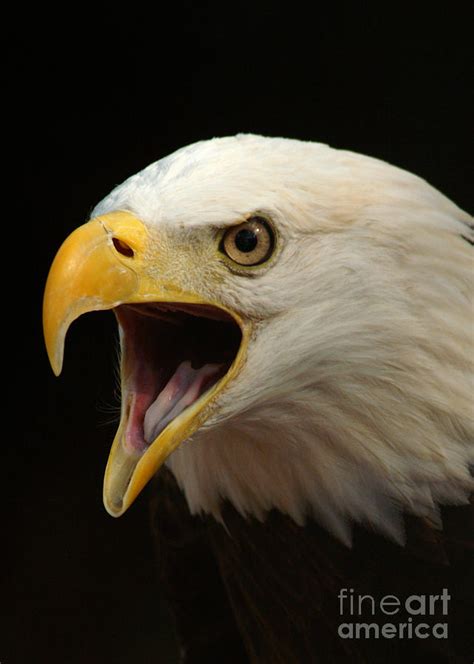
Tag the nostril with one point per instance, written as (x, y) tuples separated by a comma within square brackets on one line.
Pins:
[(122, 247)]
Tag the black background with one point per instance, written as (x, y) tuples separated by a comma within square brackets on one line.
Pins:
[(95, 99)]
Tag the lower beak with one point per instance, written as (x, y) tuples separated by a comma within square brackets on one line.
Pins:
[(102, 265)]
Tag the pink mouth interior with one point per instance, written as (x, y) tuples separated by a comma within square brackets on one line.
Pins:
[(172, 355)]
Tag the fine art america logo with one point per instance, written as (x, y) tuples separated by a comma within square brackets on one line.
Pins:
[(405, 619)]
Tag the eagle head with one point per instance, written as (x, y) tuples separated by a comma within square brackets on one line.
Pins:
[(296, 332)]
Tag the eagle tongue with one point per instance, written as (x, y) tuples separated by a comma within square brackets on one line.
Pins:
[(183, 388)]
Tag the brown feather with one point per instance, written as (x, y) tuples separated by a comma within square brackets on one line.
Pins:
[(268, 592)]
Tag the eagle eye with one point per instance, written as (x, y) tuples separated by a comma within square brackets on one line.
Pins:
[(249, 243)]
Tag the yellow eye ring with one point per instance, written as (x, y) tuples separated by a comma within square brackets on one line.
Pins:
[(249, 243)]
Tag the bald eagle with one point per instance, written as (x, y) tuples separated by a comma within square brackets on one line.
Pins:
[(296, 330)]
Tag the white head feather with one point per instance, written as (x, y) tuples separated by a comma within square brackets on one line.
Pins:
[(355, 400)]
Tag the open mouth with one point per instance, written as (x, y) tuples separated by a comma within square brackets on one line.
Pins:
[(179, 351), (172, 354)]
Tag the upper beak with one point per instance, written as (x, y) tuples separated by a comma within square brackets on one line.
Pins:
[(101, 265), (88, 275)]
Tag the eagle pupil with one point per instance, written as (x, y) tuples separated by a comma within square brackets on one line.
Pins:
[(246, 240)]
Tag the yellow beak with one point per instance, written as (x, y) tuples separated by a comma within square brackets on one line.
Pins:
[(102, 265)]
